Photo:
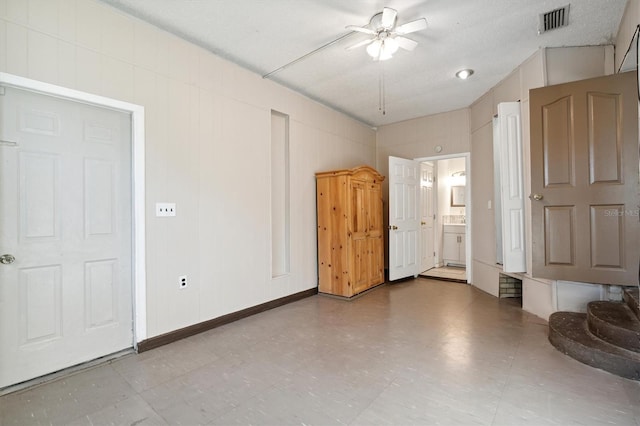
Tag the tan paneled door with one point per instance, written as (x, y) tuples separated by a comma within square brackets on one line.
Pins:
[(427, 216), (584, 180), (65, 233), (404, 222)]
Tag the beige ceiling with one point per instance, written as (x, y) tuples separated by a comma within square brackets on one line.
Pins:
[(491, 36)]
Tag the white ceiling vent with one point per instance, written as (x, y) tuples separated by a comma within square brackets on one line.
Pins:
[(554, 19)]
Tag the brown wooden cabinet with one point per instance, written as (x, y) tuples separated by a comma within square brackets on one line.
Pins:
[(350, 234)]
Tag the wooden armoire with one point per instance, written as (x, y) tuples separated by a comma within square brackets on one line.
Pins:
[(350, 234)]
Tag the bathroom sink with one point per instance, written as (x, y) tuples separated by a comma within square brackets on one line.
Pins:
[(454, 227)]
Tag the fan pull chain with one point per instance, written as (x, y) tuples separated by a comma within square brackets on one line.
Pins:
[(381, 92)]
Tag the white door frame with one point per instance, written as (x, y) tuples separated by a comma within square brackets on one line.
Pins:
[(139, 290), (467, 203)]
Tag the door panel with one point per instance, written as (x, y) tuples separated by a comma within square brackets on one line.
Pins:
[(99, 188), (40, 302), (101, 299), (605, 146), (560, 236), (374, 218), (358, 214), (584, 175), (450, 246), (377, 259), (404, 186), (360, 267), (358, 228), (607, 236), (39, 186), (558, 142), (65, 214)]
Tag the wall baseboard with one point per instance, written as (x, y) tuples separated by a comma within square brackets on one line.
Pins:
[(194, 329)]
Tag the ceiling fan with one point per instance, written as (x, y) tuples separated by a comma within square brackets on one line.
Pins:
[(387, 36)]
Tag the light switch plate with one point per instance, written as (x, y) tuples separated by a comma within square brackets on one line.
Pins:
[(165, 209)]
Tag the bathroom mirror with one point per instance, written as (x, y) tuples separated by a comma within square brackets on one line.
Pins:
[(457, 196)]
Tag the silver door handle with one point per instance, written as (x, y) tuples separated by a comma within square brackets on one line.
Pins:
[(536, 197), (7, 259), (393, 227)]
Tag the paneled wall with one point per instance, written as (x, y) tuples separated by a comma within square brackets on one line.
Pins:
[(208, 145), (207, 149)]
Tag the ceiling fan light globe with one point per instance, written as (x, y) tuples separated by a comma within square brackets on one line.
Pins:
[(384, 55), (374, 49), (390, 46)]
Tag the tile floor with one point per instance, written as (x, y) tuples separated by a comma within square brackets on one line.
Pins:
[(415, 352), (447, 272)]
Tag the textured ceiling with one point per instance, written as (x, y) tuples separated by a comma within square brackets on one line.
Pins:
[(491, 36)]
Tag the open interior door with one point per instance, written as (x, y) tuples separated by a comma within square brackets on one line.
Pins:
[(427, 216), (404, 222), (510, 199), (584, 180)]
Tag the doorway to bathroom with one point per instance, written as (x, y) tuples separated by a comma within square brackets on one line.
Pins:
[(444, 207)]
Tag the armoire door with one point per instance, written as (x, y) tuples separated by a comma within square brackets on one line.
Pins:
[(358, 235), (375, 234)]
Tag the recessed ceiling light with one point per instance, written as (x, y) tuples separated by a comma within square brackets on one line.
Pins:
[(464, 74)]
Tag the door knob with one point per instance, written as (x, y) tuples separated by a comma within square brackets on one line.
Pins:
[(536, 197), (423, 223), (393, 227), (7, 259)]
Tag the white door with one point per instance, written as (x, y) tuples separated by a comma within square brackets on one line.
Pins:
[(65, 216), (404, 223), (427, 214), (509, 146)]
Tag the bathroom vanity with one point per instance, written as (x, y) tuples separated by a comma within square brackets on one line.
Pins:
[(453, 244)]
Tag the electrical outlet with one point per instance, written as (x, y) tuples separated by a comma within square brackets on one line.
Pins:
[(182, 281), (165, 209)]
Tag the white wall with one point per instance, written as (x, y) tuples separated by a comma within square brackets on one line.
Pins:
[(628, 25), (207, 149), (445, 169)]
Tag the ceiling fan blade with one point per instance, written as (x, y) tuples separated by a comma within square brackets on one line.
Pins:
[(388, 17), (360, 29), (360, 43), (406, 43), (410, 27)]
